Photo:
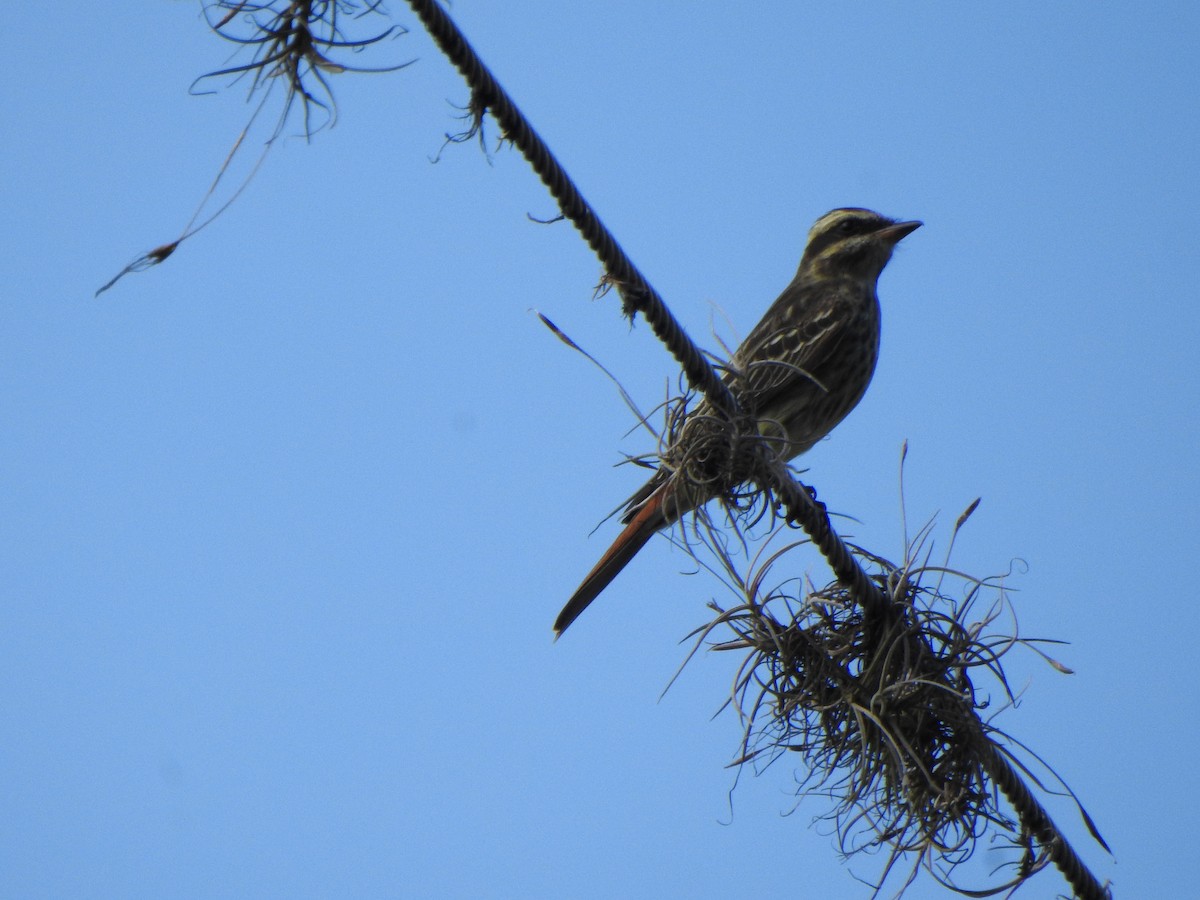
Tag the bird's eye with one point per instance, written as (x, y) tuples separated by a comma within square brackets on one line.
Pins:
[(848, 227)]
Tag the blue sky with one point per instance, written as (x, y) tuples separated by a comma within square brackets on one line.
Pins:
[(287, 519)]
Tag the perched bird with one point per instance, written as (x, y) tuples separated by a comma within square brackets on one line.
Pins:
[(801, 370)]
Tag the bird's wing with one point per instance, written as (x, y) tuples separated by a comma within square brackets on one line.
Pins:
[(791, 345), (642, 494)]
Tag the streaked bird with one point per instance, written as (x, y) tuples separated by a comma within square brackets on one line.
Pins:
[(799, 372)]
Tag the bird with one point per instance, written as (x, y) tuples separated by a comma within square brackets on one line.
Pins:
[(799, 372)]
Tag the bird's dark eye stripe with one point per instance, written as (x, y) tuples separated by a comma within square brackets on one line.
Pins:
[(848, 225), (838, 231), (857, 225)]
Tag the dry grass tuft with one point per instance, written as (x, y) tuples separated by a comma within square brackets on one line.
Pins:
[(293, 42), (883, 710)]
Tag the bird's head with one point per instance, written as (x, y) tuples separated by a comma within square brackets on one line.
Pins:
[(852, 243)]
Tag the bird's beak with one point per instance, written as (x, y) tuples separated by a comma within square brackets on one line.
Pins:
[(893, 234)]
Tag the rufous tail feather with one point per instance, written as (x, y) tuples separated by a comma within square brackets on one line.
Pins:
[(645, 522)]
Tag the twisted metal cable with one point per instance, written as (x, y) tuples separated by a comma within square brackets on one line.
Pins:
[(1038, 823), (636, 292), (802, 509), (800, 506)]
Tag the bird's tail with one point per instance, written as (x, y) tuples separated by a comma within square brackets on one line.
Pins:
[(645, 521)]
